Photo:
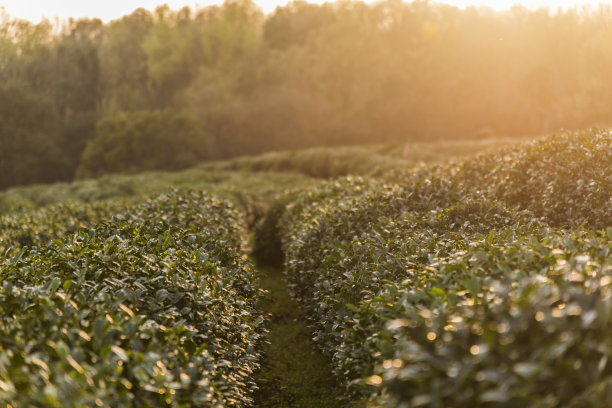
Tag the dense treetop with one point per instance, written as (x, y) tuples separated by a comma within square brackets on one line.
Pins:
[(234, 81)]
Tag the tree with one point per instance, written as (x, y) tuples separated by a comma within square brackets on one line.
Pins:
[(144, 140), (30, 136), (123, 64), (77, 67), (295, 22)]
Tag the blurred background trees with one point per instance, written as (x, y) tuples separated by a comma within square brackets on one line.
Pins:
[(229, 80), (130, 142)]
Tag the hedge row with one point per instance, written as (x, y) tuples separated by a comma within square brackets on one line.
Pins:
[(35, 228), (157, 307), (447, 291), (564, 178)]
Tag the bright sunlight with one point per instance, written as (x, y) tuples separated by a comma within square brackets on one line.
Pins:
[(34, 10)]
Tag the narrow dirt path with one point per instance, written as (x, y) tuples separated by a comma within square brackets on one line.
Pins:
[(294, 373)]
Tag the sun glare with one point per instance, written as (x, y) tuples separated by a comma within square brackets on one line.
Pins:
[(532, 4), (34, 10)]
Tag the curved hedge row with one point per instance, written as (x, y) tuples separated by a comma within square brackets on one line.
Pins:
[(454, 306), (454, 289), (564, 178), (157, 307), (535, 331), (35, 228)]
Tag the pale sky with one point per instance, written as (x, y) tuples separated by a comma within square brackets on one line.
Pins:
[(107, 10)]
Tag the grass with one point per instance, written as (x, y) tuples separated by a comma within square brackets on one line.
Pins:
[(294, 372)]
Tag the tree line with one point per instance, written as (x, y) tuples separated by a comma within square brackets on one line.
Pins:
[(166, 89)]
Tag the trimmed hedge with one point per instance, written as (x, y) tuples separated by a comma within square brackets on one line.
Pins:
[(460, 288), (564, 178), (157, 307), (36, 228)]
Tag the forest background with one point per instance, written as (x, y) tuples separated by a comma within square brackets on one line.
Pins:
[(167, 89)]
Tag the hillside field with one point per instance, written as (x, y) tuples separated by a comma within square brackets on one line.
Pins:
[(463, 274)]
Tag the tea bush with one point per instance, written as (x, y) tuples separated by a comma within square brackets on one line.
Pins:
[(462, 287), (37, 227), (565, 177), (535, 331), (157, 307)]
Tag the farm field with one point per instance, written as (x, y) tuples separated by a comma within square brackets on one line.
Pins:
[(471, 281), (262, 175)]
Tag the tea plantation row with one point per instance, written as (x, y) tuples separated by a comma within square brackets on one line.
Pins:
[(35, 228), (156, 307), (463, 286), (565, 178)]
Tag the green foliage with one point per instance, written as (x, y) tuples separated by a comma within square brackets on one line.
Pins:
[(170, 48), (147, 140), (123, 63), (461, 286), (157, 307), (251, 191), (77, 132), (49, 98), (562, 178), (38, 227), (306, 75), (389, 160), (293, 24), (533, 332), (317, 162), (76, 74), (30, 135)]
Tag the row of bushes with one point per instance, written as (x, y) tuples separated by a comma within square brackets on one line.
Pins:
[(157, 307), (37, 227), (376, 160), (322, 162), (564, 178), (446, 292)]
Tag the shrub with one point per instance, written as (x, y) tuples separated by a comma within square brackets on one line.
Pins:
[(564, 178), (157, 307), (463, 286), (145, 140), (38, 227)]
